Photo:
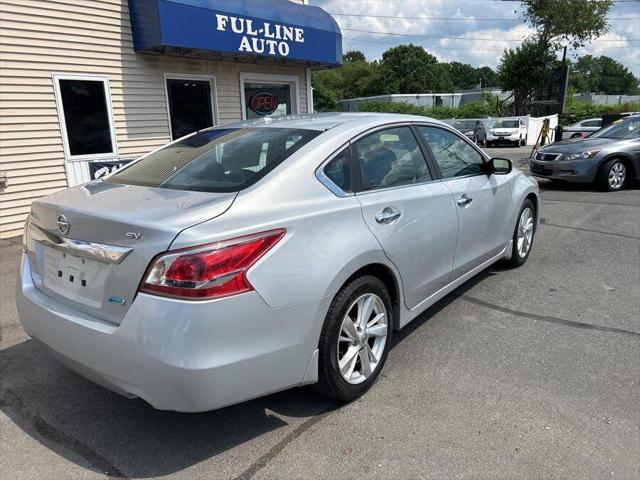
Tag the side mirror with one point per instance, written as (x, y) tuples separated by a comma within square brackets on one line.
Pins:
[(498, 166)]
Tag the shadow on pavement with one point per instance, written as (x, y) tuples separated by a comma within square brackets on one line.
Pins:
[(104, 432)]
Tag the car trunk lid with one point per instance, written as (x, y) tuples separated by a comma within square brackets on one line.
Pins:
[(89, 246)]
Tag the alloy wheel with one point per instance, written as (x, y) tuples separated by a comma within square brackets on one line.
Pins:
[(617, 175), (525, 232), (363, 335)]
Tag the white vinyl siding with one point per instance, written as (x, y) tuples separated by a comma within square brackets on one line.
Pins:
[(89, 37)]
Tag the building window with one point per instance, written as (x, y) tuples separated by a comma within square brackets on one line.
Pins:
[(86, 120), (268, 95), (190, 103)]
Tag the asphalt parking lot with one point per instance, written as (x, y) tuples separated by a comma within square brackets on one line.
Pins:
[(528, 373)]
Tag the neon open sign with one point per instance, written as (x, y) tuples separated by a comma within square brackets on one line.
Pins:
[(263, 103)]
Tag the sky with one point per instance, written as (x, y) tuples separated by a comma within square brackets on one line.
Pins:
[(487, 27)]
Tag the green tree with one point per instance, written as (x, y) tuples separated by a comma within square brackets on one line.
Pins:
[(462, 75), (354, 56), (488, 77), (602, 75), (524, 69), (575, 22), (415, 70)]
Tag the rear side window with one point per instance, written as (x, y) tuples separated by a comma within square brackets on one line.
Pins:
[(339, 170), (390, 158), (592, 123), (216, 160)]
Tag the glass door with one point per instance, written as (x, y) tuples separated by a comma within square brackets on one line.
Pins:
[(190, 106)]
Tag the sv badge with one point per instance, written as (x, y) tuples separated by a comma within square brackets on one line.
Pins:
[(133, 235)]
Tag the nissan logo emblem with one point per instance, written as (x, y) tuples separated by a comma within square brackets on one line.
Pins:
[(63, 225)]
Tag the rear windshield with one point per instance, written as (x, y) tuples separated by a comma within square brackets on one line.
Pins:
[(506, 124), (464, 125), (217, 160)]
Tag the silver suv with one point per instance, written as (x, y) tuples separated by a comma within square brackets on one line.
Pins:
[(255, 257)]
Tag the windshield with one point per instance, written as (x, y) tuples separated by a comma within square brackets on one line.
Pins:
[(506, 124), (217, 160), (625, 130), (464, 125)]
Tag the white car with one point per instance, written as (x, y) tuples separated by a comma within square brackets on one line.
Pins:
[(582, 128), (507, 130)]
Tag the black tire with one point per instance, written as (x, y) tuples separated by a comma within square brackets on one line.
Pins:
[(523, 141), (330, 381), (602, 177), (489, 144), (516, 259)]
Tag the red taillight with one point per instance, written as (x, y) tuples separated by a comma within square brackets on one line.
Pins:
[(208, 271)]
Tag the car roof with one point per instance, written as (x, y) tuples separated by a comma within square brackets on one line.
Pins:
[(326, 121)]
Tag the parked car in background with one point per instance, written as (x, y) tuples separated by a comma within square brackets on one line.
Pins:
[(507, 130), (609, 157), (250, 258), (582, 129), (473, 129)]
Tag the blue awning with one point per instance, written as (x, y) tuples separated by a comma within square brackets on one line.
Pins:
[(275, 29)]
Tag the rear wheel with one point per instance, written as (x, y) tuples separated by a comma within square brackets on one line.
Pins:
[(523, 235), (355, 339), (612, 175)]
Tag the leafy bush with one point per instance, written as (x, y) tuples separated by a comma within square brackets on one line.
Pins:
[(470, 110), (575, 110)]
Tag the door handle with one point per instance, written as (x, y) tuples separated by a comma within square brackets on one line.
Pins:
[(388, 215), (465, 200)]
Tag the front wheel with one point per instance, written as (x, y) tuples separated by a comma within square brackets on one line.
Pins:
[(523, 235), (355, 339), (612, 175)]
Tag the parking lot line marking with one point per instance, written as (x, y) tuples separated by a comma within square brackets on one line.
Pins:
[(546, 318), (544, 222), (552, 200)]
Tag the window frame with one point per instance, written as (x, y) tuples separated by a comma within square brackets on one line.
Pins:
[(188, 76), (485, 158), (56, 77), (291, 80)]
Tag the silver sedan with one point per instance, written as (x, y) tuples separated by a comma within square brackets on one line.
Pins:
[(609, 157), (255, 257)]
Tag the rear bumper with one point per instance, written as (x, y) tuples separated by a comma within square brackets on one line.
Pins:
[(582, 171), (179, 355)]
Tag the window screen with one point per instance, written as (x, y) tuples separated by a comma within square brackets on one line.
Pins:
[(86, 117)]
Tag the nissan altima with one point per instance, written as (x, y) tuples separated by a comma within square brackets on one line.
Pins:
[(250, 258)]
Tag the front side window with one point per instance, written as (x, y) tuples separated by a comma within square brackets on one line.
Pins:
[(390, 158), (216, 160), (86, 116), (454, 155)]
